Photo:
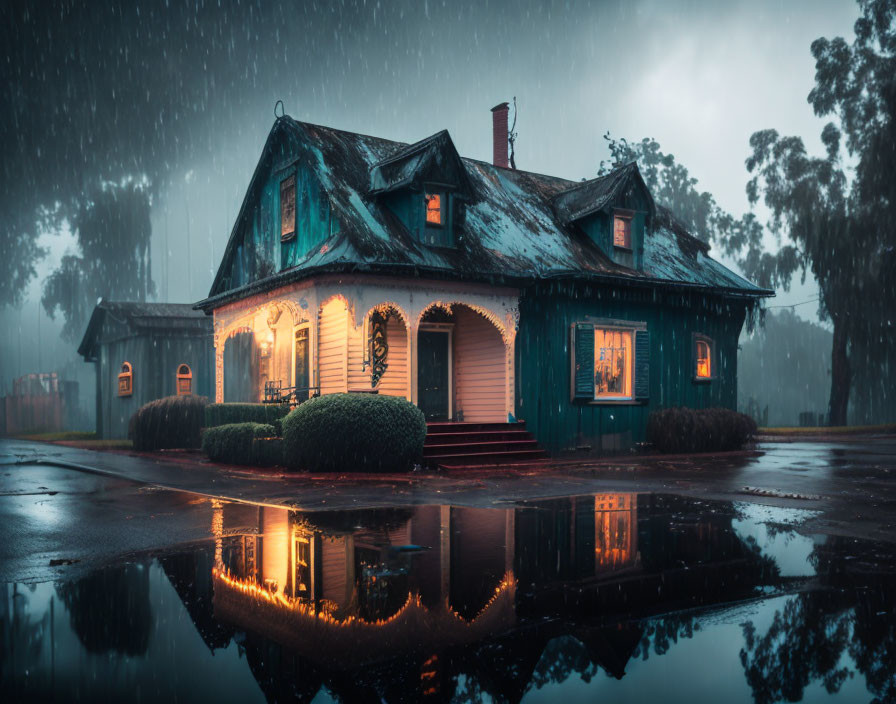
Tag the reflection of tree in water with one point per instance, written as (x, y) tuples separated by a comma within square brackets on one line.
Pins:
[(660, 634), (109, 609), (23, 637), (561, 658), (852, 614)]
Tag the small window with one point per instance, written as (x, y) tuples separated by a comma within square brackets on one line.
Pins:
[(184, 380), (434, 209), (126, 380), (622, 231), (703, 358), (288, 208), (612, 363)]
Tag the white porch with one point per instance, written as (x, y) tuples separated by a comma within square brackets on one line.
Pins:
[(339, 333)]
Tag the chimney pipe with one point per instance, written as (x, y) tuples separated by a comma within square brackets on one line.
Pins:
[(499, 135)]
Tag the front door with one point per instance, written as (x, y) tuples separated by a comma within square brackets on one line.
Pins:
[(302, 363), (433, 373)]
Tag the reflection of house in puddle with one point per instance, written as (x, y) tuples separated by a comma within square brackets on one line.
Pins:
[(398, 598)]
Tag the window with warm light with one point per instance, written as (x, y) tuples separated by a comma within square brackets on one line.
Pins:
[(622, 231), (612, 363), (703, 354), (126, 380), (434, 209), (288, 208), (184, 380)]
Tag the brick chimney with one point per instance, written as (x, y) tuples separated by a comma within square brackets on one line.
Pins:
[(499, 135)]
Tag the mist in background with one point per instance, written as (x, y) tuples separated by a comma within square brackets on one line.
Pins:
[(183, 94)]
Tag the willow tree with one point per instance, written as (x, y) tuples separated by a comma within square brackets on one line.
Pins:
[(842, 229), (113, 231)]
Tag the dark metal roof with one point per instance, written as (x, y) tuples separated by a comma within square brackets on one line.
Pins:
[(516, 225), (141, 316)]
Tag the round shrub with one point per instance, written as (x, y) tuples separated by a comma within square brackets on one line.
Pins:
[(167, 423), (242, 443), (226, 413), (354, 433), (678, 430)]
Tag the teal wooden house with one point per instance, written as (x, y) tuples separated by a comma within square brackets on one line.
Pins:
[(487, 295)]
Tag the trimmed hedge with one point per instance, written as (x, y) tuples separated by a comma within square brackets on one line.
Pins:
[(354, 433), (243, 443), (226, 413), (676, 430), (167, 423)]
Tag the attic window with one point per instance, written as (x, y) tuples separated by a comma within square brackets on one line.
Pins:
[(622, 230), (433, 209), (288, 208)]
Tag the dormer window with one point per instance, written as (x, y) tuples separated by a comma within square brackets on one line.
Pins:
[(287, 208), (434, 209), (622, 230)]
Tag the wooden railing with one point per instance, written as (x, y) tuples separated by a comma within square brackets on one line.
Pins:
[(275, 392)]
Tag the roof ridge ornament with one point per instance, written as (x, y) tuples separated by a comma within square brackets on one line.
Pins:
[(282, 110)]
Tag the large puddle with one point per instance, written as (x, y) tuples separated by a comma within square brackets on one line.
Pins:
[(621, 597)]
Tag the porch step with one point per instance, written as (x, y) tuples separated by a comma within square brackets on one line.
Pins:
[(451, 427), (479, 447), (475, 437), (480, 444), (477, 459)]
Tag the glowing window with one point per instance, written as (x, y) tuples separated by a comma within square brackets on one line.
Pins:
[(612, 363), (126, 380), (288, 208), (184, 380), (433, 209), (704, 359), (622, 231)]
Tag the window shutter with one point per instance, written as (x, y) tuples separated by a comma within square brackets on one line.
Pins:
[(583, 362), (642, 365)]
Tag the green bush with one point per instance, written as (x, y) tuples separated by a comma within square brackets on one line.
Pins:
[(226, 413), (679, 430), (353, 433), (170, 422), (243, 443)]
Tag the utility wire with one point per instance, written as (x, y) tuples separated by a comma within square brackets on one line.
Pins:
[(794, 305)]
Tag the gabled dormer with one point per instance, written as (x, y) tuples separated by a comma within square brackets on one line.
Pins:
[(424, 185), (614, 211)]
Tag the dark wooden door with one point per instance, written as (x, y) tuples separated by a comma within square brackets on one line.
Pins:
[(433, 373), (302, 364)]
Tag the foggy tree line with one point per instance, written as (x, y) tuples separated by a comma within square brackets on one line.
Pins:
[(830, 219)]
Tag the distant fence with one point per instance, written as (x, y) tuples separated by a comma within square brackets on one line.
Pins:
[(39, 403)]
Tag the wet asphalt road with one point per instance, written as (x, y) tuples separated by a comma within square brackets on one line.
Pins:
[(50, 511)]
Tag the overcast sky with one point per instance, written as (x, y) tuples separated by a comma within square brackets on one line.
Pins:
[(700, 77)]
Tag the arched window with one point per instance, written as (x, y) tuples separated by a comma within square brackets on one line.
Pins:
[(184, 380), (703, 358), (126, 380)]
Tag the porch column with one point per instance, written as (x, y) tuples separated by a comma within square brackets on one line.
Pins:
[(510, 376), (413, 329), (219, 342)]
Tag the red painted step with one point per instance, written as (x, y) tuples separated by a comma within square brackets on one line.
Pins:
[(481, 458), (479, 447), (450, 444), (484, 436)]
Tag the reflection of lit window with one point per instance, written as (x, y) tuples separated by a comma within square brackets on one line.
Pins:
[(622, 231), (288, 208), (303, 567), (184, 380), (433, 209), (612, 363), (126, 380), (616, 523), (704, 359)]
